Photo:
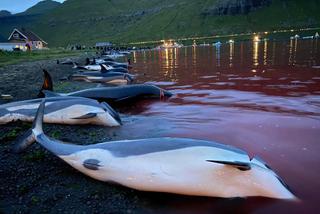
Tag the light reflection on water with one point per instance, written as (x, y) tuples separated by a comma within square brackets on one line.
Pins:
[(263, 97)]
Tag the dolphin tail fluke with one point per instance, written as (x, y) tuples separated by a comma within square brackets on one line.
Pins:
[(38, 120), (24, 141)]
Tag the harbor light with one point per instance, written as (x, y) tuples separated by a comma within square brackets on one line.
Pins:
[(256, 39), (231, 41)]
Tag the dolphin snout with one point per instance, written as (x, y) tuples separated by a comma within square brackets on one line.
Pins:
[(167, 93)]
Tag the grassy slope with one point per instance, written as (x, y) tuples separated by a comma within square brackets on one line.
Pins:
[(85, 22), (26, 18), (41, 7), (7, 58)]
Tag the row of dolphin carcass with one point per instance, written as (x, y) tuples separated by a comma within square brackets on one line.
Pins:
[(89, 106), (174, 165)]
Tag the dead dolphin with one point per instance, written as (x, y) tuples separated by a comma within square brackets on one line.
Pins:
[(109, 94), (62, 110), (114, 64), (98, 77), (102, 68), (173, 165)]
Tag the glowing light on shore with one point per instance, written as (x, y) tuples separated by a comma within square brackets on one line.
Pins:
[(256, 39), (221, 36)]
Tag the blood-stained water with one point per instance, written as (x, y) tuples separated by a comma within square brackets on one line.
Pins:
[(263, 97)]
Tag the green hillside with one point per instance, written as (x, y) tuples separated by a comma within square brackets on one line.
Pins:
[(41, 8), (4, 13), (85, 22)]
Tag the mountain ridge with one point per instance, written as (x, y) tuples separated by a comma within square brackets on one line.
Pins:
[(87, 22), (41, 7)]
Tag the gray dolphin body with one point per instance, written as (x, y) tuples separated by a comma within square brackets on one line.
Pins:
[(61, 110), (99, 77), (174, 165), (117, 94), (110, 94)]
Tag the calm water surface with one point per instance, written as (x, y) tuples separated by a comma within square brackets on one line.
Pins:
[(263, 97)]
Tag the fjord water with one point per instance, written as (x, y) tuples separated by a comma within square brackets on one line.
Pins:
[(263, 97)]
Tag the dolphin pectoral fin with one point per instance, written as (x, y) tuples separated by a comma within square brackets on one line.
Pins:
[(86, 116), (122, 99), (92, 164), (24, 141), (237, 164)]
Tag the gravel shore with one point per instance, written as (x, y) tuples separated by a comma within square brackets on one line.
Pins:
[(37, 181)]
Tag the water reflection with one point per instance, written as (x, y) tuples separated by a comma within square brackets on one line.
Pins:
[(231, 53), (265, 52), (255, 53), (293, 51), (218, 55), (267, 93), (134, 56), (234, 55), (194, 54)]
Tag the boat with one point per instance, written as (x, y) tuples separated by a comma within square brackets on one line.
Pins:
[(217, 44), (169, 44)]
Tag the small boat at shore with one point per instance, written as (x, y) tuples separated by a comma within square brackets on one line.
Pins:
[(169, 44)]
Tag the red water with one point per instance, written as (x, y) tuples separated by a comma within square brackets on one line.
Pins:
[(263, 97)]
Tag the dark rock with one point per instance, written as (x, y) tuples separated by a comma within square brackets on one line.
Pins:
[(234, 7)]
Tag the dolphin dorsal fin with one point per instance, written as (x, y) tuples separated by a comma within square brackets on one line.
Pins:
[(103, 68), (243, 166), (47, 83)]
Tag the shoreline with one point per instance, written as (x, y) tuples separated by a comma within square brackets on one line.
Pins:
[(37, 181)]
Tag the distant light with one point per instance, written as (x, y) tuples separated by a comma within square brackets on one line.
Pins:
[(231, 41), (266, 32), (256, 39)]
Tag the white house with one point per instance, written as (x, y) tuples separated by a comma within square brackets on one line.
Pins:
[(24, 40)]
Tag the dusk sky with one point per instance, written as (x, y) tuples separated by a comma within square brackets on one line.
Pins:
[(16, 6)]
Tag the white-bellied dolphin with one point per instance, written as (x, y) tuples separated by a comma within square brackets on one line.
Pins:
[(109, 94), (107, 77), (114, 64), (102, 68), (62, 110), (173, 165)]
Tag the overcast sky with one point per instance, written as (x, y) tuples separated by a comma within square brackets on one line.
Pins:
[(17, 6)]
